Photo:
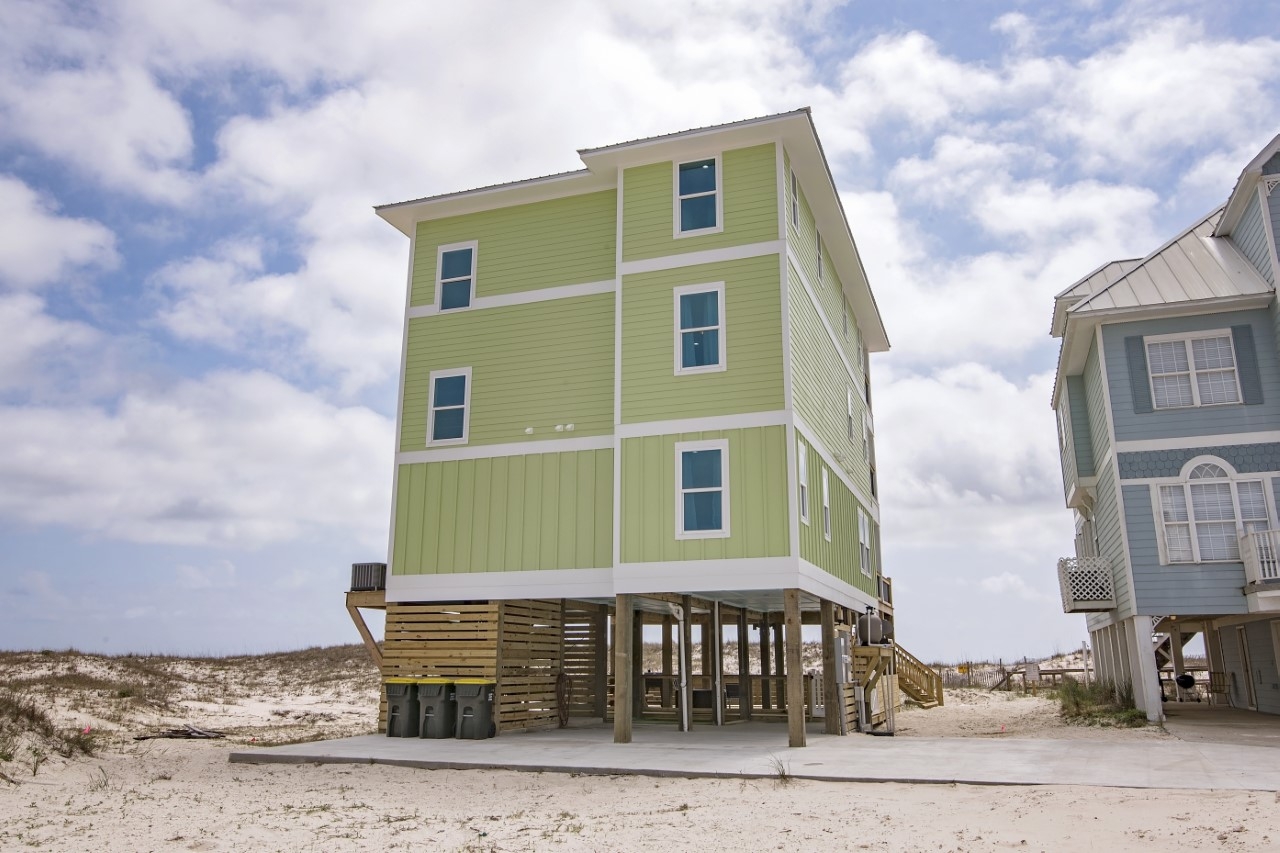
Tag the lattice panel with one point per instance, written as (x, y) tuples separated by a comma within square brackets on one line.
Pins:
[(1086, 584)]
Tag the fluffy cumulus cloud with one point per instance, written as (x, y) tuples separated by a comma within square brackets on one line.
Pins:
[(40, 246)]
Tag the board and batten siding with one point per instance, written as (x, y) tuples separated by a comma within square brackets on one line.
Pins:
[(820, 384), (505, 514), (1250, 236), (526, 247), (1205, 420), (534, 365), (750, 205), (753, 380), (758, 502), (841, 557), (1207, 588), (1107, 521), (802, 239)]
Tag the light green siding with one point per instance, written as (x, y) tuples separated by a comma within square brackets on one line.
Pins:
[(820, 385), (753, 381), (841, 556), (527, 247), (505, 514), (758, 523), (534, 365), (750, 204)]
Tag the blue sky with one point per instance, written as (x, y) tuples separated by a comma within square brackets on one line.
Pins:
[(200, 315)]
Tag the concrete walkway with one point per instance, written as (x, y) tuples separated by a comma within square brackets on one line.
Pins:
[(759, 750)]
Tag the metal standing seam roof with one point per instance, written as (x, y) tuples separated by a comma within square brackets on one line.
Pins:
[(1194, 265)]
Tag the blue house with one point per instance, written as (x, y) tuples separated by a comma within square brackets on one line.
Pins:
[(1168, 406)]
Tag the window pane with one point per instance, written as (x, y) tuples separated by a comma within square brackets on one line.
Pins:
[(1212, 502), (1253, 506), (447, 424), (1172, 391), (450, 391), (698, 213), (700, 469), (1178, 543), (699, 177), (1173, 502), (456, 264), (1208, 471), (702, 511), (1211, 353), (699, 349), (1218, 386), (699, 310), (1167, 357), (455, 294), (1217, 541)]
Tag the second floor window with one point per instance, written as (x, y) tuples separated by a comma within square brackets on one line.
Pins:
[(448, 408), (1204, 517), (697, 196), (864, 543), (802, 463), (1192, 371), (699, 322), (702, 489), (456, 275)]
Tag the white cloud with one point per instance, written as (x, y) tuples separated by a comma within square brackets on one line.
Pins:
[(40, 247), (32, 339)]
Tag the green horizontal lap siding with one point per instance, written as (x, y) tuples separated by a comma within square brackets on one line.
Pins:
[(534, 365), (757, 498), (750, 204), (505, 514), (841, 556), (753, 381), (819, 384), (527, 247)]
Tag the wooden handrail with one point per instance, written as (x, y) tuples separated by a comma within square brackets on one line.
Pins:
[(916, 677)]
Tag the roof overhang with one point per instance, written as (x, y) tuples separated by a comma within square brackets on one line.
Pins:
[(1243, 190)]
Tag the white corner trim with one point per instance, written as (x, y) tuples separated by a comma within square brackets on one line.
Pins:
[(676, 232), (490, 451), (709, 256), (1186, 442), (523, 297), (404, 366), (747, 420), (540, 583), (617, 370)]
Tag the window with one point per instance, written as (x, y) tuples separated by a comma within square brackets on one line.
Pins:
[(455, 275), (1192, 371), (795, 201), (864, 543), (819, 259), (849, 418), (448, 410), (802, 465), (702, 486), (698, 196), (1204, 517), (869, 446), (845, 318), (826, 505), (699, 322)]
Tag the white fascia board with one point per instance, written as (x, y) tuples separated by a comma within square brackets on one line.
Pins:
[(690, 576), (490, 586), (522, 448), (1239, 198), (814, 580)]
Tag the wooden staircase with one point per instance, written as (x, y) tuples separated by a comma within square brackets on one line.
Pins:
[(917, 680)]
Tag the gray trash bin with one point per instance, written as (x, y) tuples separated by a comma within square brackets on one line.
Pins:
[(438, 708), (402, 707), (475, 709)]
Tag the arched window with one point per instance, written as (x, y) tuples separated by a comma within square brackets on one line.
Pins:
[(1205, 516)]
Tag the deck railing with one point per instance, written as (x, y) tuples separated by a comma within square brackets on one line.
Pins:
[(1085, 583), (918, 680), (1260, 553)]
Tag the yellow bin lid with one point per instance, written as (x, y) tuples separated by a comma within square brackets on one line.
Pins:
[(474, 681)]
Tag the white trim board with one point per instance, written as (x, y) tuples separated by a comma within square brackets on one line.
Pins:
[(404, 366), (523, 297), (701, 575), (523, 448), (709, 256), (826, 324), (816, 580), (1187, 442), (810, 437), (541, 583), (617, 370), (715, 422)]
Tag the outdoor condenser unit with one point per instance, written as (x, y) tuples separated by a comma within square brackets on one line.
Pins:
[(368, 576)]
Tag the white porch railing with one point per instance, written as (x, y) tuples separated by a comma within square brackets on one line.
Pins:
[(1260, 553), (1086, 584)]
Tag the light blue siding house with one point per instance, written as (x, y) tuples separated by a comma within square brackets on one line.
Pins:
[(1168, 404)]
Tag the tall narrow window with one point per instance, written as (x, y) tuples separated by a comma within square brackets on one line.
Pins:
[(455, 276), (1204, 517), (826, 505), (795, 201), (819, 259), (448, 407), (697, 196), (802, 466), (849, 418), (702, 489), (869, 446), (864, 543), (699, 328), (1192, 371)]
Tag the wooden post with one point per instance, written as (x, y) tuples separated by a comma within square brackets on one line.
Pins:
[(600, 629), (830, 674), (1179, 665), (370, 643), (639, 694), (667, 670), (686, 664), (766, 664), (744, 668), (717, 664), (795, 676), (623, 619), (708, 646)]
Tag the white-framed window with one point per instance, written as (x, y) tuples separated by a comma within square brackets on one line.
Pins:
[(456, 275), (702, 489), (802, 474), (820, 265), (449, 406), (1192, 370), (826, 505), (1203, 517), (700, 328), (869, 447), (849, 415), (795, 201), (864, 543), (845, 319), (699, 207)]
